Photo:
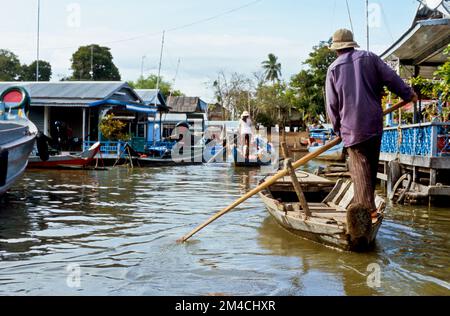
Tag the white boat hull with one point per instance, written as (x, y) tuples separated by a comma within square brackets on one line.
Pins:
[(334, 154)]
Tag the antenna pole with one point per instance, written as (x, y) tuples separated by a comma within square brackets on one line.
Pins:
[(92, 62), (160, 61), (367, 25), (157, 83), (38, 38), (175, 78), (142, 67)]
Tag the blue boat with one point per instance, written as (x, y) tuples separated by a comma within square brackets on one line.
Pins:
[(17, 136), (318, 138)]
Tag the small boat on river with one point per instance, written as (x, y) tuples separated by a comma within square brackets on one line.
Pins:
[(65, 160), (261, 154), (318, 138), (17, 136), (326, 221)]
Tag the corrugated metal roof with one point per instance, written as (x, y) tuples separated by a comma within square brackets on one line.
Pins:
[(67, 90), (186, 105), (75, 93), (152, 97), (148, 95)]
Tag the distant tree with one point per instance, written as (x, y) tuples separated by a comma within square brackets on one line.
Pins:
[(28, 72), (234, 93), (310, 83), (104, 68), (152, 81), (9, 66), (272, 68)]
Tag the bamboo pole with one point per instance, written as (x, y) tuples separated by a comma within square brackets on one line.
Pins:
[(274, 179)]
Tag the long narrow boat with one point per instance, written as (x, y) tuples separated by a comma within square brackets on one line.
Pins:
[(328, 222), (17, 136), (64, 161), (195, 157), (260, 155)]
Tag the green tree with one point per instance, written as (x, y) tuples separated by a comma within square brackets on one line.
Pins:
[(310, 83), (272, 68), (101, 59), (113, 129), (443, 73), (28, 72), (9, 66), (275, 103), (151, 82)]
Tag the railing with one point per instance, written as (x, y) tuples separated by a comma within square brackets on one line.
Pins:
[(107, 148), (426, 140)]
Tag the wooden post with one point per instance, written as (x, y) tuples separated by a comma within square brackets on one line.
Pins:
[(297, 187), (284, 150), (433, 177)]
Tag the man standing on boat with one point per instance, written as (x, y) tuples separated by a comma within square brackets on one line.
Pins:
[(246, 132), (354, 87)]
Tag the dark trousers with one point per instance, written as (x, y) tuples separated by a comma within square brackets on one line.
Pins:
[(247, 143), (363, 165)]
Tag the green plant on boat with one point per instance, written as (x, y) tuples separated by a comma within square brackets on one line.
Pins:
[(113, 129)]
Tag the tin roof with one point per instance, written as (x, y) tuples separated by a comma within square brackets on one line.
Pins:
[(74, 93), (187, 105), (152, 97), (424, 43)]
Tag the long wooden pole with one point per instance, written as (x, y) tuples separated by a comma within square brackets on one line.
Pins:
[(271, 181)]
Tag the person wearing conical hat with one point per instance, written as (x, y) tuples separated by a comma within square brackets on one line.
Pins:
[(354, 87), (246, 132)]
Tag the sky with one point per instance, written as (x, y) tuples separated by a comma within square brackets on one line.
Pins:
[(207, 36)]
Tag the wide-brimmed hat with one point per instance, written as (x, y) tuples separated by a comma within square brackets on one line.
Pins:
[(343, 39), (245, 114)]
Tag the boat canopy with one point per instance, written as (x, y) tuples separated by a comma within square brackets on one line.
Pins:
[(134, 107)]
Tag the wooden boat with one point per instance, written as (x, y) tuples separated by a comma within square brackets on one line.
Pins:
[(325, 221), (261, 155), (66, 161), (192, 159), (17, 136)]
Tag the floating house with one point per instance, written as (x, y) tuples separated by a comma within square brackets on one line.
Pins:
[(76, 108), (217, 112), (192, 110), (154, 99), (420, 151)]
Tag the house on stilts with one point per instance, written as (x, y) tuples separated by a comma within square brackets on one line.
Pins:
[(70, 113), (415, 156)]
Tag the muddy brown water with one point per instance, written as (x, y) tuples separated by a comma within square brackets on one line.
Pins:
[(114, 233)]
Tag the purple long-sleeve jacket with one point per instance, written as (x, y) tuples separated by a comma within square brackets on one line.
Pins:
[(354, 88)]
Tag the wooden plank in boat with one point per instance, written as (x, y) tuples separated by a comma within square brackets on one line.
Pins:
[(341, 193), (335, 191), (348, 197)]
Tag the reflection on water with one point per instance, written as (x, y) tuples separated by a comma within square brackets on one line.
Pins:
[(120, 227)]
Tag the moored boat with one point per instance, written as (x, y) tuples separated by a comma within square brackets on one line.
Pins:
[(261, 154), (318, 138), (62, 161), (333, 221), (17, 136)]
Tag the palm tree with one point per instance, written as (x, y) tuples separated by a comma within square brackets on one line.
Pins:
[(272, 68)]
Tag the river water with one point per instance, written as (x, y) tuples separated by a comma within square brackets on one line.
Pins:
[(117, 231)]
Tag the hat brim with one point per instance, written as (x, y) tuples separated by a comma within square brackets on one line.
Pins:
[(344, 45)]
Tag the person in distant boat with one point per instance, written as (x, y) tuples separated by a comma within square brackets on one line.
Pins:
[(354, 86), (246, 132)]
